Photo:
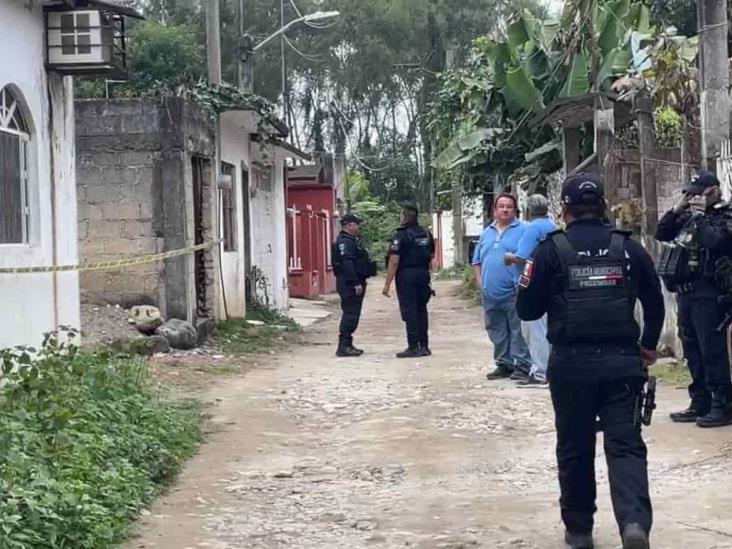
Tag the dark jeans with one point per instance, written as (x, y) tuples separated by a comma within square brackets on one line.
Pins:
[(413, 291), (705, 347), (351, 305), (577, 404)]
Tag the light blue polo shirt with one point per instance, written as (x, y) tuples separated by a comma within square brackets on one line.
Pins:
[(534, 233), (499, 281)]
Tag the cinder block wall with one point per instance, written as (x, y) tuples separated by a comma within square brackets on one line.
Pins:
[(119, 152)]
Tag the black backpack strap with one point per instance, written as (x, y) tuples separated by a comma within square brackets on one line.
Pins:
[(617, 245), (565, 250)]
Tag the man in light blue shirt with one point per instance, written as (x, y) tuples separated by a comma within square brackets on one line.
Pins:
[(498, 282), (534, 331)]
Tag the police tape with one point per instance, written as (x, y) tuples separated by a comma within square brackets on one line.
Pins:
[(114, 264)]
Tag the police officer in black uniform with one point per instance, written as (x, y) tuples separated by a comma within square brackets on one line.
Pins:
[(699, 228), (410, 258), (587, 280), (352, 267)]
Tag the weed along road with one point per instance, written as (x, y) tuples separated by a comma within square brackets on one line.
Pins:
[(310, 451)]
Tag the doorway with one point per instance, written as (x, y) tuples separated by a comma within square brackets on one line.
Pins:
[(201, 169), (246, 227)]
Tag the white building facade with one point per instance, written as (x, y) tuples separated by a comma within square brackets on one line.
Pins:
[(37, 181)]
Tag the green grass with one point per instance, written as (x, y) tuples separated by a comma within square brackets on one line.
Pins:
[(673, 373), (238, 337), (86, 442)]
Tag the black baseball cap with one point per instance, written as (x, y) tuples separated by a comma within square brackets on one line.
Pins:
[(350, 218), (583, 189), (701, 182)]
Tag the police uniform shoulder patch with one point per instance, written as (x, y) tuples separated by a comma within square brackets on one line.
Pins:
[(525, 278), (342, 248)]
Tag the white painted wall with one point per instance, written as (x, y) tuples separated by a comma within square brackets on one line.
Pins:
[(40, 302), (269, 226), (236, 129), (472, 223)]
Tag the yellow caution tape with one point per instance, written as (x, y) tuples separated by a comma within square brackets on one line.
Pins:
[(111, 265)]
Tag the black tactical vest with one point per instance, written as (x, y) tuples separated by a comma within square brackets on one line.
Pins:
[(419, 248), (596, 299)]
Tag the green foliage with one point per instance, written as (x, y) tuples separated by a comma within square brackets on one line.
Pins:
[(164, 55), (85, 443), (678, 13), (669, 128), (239, 337)]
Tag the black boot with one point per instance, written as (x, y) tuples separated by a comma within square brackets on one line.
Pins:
[(579, 541), (721, 412), (635, 537), (347, 351), (359, 351), (410, 352), (690, 415)]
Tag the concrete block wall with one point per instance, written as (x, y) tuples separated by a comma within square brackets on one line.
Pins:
[(135, 198), (118, 154)]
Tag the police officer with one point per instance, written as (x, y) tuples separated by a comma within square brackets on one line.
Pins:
[(699, 227), (587, 280), (352, 267), (410, 257)]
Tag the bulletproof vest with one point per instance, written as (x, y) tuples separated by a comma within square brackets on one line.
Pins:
[(419, 248), (364, 267), (596, 299), (673, 267)]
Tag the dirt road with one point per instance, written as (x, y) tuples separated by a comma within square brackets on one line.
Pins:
[(311, 451)]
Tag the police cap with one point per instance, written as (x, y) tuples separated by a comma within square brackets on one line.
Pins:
[(410, 206), (350, 218), (583, 189), (701, 182)]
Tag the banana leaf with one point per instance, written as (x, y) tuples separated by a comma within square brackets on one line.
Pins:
[(465, 148), (612, 24), (546, 148), (578, 81), (521, 89), (615, 63)]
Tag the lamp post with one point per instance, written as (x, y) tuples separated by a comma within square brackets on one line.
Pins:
[(248, 47)]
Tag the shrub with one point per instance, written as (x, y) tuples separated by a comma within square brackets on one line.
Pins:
[(86, 441)]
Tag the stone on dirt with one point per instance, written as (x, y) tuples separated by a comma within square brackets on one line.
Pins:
[(145, 318), (180, 334)]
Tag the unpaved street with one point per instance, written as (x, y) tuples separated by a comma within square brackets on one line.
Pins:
[(310, 451)]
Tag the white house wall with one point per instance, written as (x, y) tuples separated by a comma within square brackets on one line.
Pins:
[(38, 303), (269, 237), (236, 128)]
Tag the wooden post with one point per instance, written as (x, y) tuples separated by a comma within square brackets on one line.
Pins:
[(647, 145), (571, 145), (714, 79), (213, 41)]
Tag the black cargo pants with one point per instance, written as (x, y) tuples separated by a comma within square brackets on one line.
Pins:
[(414, 292), (351, 305), (577, 404), (705, 348)]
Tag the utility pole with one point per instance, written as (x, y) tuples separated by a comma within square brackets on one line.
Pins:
[(458, 227), (213, 41), (285, 94), (714, 79), (244, 51)]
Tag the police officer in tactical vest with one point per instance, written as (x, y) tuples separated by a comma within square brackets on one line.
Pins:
[(587, 280), (352, 267), (410, 258), (698, 228)]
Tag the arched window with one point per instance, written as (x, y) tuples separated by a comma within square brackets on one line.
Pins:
[(14, 139)]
